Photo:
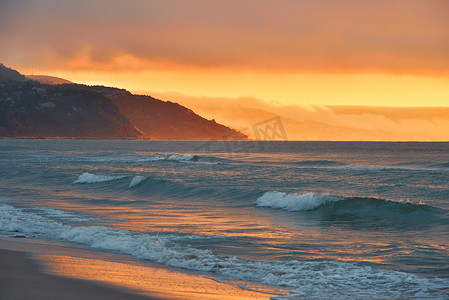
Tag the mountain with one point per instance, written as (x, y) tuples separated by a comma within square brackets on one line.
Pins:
[(29, 108), (169, 120), (8, 74)]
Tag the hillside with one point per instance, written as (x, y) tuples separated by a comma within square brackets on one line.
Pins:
[(8, 74), (29, 108), (168, 120)]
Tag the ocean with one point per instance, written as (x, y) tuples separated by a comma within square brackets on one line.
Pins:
[(322, 220)]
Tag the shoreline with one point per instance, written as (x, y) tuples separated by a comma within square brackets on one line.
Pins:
[(20, 278), (40, 269)]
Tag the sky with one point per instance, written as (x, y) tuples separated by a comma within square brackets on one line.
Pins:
[(283, 53)]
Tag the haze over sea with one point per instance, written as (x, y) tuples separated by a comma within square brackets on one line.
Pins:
[(323, 219)]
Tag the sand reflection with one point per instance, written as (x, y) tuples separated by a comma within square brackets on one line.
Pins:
[(149, 279)]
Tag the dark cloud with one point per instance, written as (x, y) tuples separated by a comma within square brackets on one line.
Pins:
[(293, 35)]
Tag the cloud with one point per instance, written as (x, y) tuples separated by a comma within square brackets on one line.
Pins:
[(340, 123), (287, 35)]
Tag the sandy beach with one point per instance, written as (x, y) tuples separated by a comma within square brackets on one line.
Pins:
[(38, 269), (20, 278)]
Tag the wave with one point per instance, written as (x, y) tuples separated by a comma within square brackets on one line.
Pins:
[(320, 163), (423, 165), (408, 166), (312, 279), (181, 190), (92, 178), (64, 216), (141, 158), (441, 165), (381, 168), (357, 211), (189, 158), (136, 181), (294, 202), (152, 185), (312, 201), (445, 165), (175, 157), (123, 158)]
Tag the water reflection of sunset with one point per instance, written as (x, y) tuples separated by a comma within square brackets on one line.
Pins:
[(310, 243), (149, 279)]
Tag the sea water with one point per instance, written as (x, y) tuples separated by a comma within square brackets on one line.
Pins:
[(340, 220)]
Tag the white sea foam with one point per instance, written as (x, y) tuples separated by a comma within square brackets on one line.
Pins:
[(136, 181), (170, 157), (63, 215), (309, 280), (114, 158), (294, 202), (174, 157), (92, 178)]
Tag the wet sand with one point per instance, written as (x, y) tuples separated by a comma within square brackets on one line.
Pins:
[(38, 269), (20, 278)]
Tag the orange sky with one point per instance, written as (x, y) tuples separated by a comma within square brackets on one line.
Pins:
[(318, 52), (283, 53)]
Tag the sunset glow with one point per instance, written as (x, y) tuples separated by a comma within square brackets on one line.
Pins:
[(378, 89), (301, 53)]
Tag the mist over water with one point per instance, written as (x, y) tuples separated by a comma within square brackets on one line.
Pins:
[(325, 219)]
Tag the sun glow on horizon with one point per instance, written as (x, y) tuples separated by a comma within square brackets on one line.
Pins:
[(361, 89)]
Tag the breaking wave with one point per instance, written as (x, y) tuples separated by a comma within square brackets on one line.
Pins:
[(136, 181), (175, 157), (141, 158), (116, 158), (312, 201), (294, 202), (311, 279), (357, 211), (156, 186), (92, 178)]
